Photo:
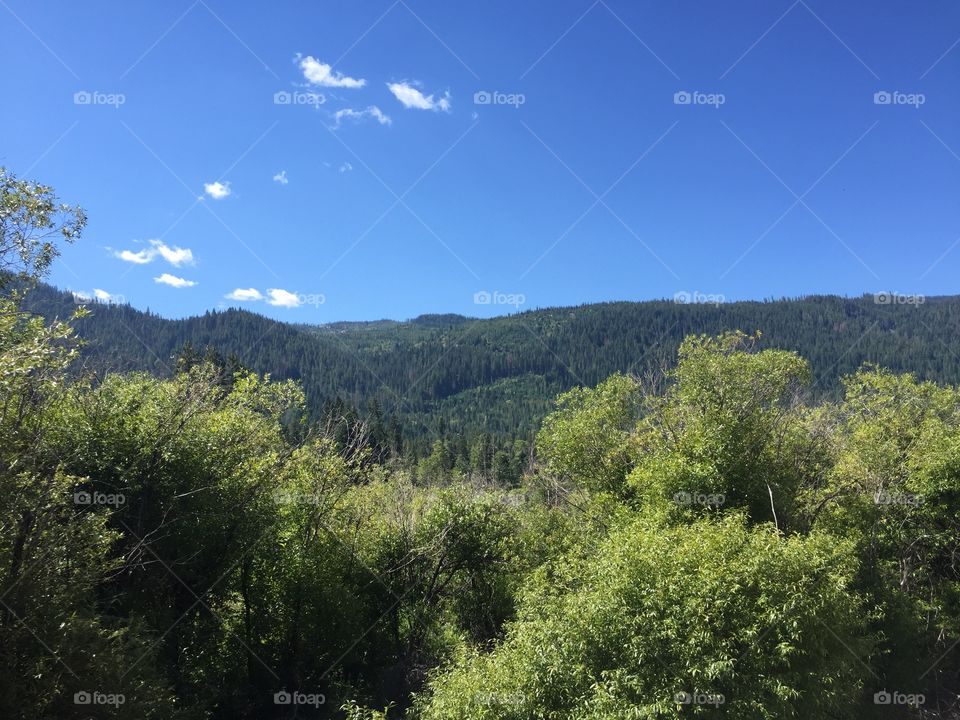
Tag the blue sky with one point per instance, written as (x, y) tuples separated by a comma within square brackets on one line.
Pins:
[(631, 151)]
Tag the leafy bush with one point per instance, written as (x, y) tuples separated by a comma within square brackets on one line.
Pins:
[(716, 613)]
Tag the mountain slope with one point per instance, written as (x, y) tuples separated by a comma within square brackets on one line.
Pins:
[(501, 374)]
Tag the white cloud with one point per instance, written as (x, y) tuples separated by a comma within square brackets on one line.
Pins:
[(346, 167), (357, 115), (275, 296), (244, 294), (412, 98), (104, 296), (318, 73), (140, 258), (282, 298), (217, 190), (175, 255), (82, 296), (281, 177), (173, 281)]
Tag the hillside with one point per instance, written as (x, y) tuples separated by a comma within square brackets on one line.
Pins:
[(499, 375)]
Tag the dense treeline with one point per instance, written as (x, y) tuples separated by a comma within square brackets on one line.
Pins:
[(441, 376), (716, 542)]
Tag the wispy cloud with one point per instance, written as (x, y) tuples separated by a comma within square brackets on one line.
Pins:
[(371, 111), (106, 297), (283, 298), (173, 281), (281, 177), (176, 256), (319, 73), (346, 167), (244, 295), (82, 296), (275, 296), (217, 190), (140, 258), (412, 98)]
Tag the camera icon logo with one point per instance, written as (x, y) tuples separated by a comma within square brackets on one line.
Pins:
[(482, 97), (282, 97), (482, 297), (882, 698), (82, 497), (682, 97), (683, 698), (82, 97), (82, 698), (282, 698), (882, 97)]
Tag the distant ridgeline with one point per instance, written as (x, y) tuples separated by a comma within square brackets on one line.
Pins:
[(447, 375)]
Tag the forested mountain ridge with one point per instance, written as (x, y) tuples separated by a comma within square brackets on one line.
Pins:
[(448, 374)]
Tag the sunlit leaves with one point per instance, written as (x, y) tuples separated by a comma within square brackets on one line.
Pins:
[(32, 220)]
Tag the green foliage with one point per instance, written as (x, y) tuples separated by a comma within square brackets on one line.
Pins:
[(728, 431), (453, 555), (740, 618), (355, 711), (499, 375), (585, 439), (894, 486), (31, 220), (54, 550), (195, 544), (54, 644)]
